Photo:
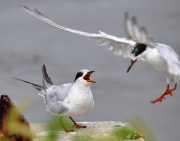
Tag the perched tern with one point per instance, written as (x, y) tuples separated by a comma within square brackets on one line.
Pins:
[(162, 57), (71, 99)]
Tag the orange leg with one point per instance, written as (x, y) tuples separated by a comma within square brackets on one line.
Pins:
[(66, 130), (168, 91), (77, 125)]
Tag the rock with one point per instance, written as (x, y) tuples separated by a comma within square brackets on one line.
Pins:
[(95, 131), (13, 125)]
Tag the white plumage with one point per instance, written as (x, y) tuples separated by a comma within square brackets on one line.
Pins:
[(162, 57), (71, 99)]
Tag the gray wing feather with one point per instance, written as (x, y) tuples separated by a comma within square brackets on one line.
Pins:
[(135, 33), (56, 98)]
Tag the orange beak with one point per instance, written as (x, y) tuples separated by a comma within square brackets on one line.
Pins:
[(130, 66), (88, 78)]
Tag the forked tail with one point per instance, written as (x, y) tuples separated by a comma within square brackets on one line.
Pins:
[(46, 82), (46, 79)]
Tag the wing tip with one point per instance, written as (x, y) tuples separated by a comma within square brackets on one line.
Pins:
[(138, 34)]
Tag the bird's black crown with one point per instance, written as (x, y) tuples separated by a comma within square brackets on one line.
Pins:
[(79, 74), (138, 49)]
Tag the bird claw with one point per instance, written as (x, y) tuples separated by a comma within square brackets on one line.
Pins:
[(170, 94), (68, 130), (157, 100), (79, 126), (162, 96)]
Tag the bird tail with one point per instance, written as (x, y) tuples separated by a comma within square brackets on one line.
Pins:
[(46, 82), (36, 86)]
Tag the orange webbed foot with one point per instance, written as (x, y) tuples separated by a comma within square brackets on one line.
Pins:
[(168, 91), (158, 99)]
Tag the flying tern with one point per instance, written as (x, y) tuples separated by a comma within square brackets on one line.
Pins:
[(71, 99), (139, 47)]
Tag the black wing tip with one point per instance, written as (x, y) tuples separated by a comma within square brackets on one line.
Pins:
[(143, 29), (44, 68), (126, 14), (126, 17), (20, 79), (15, 78), (23, 6), (39, 13), (26, 8), (134, 21), (38, 87)]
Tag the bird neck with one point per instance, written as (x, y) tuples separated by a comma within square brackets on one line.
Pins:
[(82, 85)]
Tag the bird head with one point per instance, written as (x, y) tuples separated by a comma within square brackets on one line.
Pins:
[(84, 76), (137, 52)]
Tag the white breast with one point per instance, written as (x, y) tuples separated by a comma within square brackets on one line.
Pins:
[(159, 63), (80, 101)]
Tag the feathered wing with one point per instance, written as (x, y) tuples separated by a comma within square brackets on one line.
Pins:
[(120, 46), (135, 33), (56, 98)]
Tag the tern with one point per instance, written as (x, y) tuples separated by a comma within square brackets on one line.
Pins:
[(139, 47), (71, 99)]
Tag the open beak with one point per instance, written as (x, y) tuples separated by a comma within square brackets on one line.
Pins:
[(87, 77), (130, 66)]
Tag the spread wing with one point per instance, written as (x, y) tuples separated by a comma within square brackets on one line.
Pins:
[(135, 33), (120, 46)]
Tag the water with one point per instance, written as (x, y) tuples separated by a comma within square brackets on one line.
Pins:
[(27, 43)]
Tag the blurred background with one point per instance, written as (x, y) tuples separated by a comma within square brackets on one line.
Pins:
[(26, 44)]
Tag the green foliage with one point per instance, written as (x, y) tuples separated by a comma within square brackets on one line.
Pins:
[(93, 137), (126, 131), (54, 126), (13, 125), (142, 126), (4, 139), (82, 137)]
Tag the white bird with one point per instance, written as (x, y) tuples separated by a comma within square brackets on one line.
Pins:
[(162, 57), (71, 99)]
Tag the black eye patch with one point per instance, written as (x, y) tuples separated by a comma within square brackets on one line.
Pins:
[(138, 49), (79, 74)]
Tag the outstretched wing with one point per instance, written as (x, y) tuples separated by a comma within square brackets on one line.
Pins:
[(120, 46), (135, 33)]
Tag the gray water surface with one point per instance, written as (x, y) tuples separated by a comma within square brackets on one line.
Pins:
[(27, 43)]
